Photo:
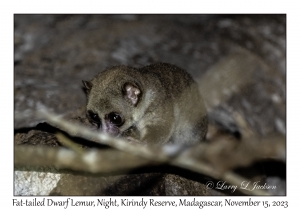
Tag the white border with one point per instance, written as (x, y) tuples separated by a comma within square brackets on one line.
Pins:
[(8, 8)]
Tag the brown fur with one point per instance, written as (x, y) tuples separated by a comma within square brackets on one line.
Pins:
[(158, 103)]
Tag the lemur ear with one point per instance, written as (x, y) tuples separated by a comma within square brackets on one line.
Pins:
[(132, 92), (87, 86)]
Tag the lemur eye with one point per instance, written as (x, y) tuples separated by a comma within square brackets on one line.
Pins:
[(115, 119), (94, 117)]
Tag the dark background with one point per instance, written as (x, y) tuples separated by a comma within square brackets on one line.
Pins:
[(238, 60)]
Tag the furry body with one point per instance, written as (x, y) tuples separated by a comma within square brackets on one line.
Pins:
[(155, 104)]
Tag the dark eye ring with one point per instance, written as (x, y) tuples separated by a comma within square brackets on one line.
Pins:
[(94, 117), (115, 119)]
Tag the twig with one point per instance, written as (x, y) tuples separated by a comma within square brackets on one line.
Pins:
[(65, 141), (93, 161), (183, 160)]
